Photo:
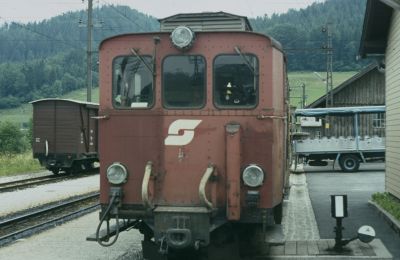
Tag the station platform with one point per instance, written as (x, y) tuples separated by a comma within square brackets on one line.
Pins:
[(323, 249)]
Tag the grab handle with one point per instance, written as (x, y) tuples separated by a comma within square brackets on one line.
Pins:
[(145, 185), (202, 187)]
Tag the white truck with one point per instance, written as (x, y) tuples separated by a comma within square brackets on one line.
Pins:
[(348, 151)]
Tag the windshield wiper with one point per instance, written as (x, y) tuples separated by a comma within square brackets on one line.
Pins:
[(147, 65), (255, 73)]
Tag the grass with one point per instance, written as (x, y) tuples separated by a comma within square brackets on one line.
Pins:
[(80, 94), (315, 87), (388, 203), (20, 163)]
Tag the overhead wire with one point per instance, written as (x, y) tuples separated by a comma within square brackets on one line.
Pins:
[(123, 15)]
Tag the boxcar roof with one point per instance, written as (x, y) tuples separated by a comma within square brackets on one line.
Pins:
[(88, 104)]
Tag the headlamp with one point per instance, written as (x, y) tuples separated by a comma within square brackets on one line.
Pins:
[(253, 175), (117, 173), (182, 37)]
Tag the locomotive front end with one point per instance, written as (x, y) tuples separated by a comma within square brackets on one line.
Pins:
[(192, 135)]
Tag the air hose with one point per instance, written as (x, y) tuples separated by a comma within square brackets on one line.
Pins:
[(102, 219)]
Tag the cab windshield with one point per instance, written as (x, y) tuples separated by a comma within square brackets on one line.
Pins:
[(184, 82), (235, 81), (132, 83)]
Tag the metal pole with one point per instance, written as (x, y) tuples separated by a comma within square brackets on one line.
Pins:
[(304, 95), (89, 51), (329, 68), (329, 65), (338, 235), (356, 130)]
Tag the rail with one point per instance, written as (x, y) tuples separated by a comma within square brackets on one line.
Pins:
[(29, 182), (40, 220)]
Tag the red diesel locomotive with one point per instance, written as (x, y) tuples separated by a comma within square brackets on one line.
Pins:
[(192, 130)]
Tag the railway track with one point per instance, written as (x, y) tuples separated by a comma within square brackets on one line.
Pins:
[(30, 182), (28, 223)]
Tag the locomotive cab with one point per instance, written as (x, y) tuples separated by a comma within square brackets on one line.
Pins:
[(192, 134)]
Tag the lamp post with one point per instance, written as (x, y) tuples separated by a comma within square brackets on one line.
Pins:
[(339, 211)]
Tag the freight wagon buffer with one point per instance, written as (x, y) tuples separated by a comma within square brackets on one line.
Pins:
[(64, 134)]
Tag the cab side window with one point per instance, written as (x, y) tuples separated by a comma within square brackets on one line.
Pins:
[(235, 81), (132, 83)]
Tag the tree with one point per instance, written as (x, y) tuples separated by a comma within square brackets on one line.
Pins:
[(12, 140)]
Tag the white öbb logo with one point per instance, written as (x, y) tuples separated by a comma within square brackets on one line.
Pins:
[(187, 126)]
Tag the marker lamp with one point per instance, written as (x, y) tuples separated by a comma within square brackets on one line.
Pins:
[(182, 37), (117, 173), (253, 176)]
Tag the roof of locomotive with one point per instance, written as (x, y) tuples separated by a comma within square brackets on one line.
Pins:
[(88, 104), (206, 21), (274, 43)]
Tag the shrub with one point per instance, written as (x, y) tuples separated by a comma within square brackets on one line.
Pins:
[(12, 140), (19, 163), (388, 202)]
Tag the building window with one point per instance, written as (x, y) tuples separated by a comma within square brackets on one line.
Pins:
[(184, 79), (378, 120), (235, 81)]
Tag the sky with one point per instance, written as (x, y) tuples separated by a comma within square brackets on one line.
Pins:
[(25, 11)]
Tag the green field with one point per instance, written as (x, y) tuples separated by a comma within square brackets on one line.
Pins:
[(315, 88)]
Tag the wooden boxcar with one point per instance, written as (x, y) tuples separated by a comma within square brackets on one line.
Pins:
[(65, 134), (192, 133)]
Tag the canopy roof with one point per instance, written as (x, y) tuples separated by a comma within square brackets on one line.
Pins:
[(339, 111)]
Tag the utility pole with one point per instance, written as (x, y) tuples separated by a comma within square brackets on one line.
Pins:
[(329, 69), (89, 80), (303, 86), (329, 64), (303, 96)]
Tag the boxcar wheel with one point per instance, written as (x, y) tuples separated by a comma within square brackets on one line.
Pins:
[(349, 162), (73, 169), (55, 170)]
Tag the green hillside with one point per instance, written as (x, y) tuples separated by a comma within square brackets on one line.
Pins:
[(301, 34), (48, 58)]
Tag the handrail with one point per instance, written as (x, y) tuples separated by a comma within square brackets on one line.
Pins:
[(100, 117), (202, 187), (145, 185), (47, 147)]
